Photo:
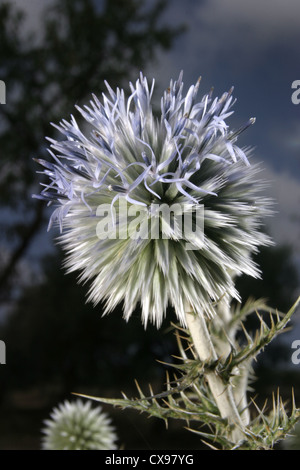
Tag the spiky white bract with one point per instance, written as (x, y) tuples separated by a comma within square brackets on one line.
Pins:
[(78, 426), (188, 156)]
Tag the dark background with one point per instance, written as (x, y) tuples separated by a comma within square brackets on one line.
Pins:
[(53, 55)]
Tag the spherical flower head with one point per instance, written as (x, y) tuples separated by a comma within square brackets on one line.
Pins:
[(156, 211), (78, 426)]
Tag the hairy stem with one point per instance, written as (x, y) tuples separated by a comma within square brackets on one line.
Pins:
[(222, 393), (223, 349)]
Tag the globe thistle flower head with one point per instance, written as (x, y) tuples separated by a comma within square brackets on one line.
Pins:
[(78, 426), (186, 161)]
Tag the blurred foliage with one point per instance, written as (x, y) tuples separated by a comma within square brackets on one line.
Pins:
[(54, 335), (279, 281), (279, 286)]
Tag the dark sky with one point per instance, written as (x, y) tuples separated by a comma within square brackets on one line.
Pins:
[(254, 46)]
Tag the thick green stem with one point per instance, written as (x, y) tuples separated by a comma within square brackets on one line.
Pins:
[(222, 393)]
